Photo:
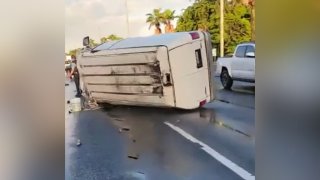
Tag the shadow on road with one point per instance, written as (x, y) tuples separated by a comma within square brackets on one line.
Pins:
[(247, 88)]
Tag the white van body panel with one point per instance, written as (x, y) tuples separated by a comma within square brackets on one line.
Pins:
[(150, 71)]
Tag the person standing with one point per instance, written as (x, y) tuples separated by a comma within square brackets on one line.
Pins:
[(76, 75), (68, 68)]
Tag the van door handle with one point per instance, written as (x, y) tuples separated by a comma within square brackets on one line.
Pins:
[(167, 79)]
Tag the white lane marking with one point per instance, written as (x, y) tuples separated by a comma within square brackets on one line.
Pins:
[(231, 165)]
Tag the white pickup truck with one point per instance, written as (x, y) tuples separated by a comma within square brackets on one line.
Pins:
[(239, 67)]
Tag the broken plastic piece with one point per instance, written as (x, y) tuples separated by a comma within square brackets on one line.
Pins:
[(134, 156), (125, 129), (78, 142)]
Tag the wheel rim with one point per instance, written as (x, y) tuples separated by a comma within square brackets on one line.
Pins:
[(224, 78)]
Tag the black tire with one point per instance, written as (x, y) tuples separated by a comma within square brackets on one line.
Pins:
[(226, 80)]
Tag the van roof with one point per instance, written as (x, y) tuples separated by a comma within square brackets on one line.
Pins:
[(170, 40)]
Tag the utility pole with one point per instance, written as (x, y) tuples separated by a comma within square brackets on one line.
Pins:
[(127, 17), (221, 28)]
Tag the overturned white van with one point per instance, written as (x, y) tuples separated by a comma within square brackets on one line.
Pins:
[(169, 70)]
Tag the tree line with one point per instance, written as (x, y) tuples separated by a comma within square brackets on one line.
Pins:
[(204, 15), (93, 43), (158, 17)]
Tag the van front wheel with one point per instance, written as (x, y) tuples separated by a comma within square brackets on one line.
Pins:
[(226, 80)]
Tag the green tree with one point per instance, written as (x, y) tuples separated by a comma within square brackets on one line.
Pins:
[(205, 15), (74, 52), (155, 17), (252, 5), (237, 28), (92, 43), (103, 40), (167, 16), (111, 37), (251, 15)]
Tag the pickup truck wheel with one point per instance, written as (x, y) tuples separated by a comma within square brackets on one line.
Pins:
[(226, 80)]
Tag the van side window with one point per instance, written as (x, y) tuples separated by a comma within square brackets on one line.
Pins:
[(198, 58), (240, 51)]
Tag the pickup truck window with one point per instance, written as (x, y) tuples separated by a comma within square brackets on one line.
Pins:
[(240, 51), (250, 49)]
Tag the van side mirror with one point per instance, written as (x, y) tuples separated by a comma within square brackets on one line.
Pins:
[(250, 54), (86, 41)]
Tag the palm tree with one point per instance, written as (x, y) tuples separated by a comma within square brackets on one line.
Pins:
[(154, 19), (168, 16)]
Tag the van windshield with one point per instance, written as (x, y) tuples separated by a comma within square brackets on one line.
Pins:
[(104, 46)]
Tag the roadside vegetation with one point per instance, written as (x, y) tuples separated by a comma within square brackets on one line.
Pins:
[(93, 43), (203, 15)]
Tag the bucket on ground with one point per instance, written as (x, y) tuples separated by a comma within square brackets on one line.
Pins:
[(75, 104)]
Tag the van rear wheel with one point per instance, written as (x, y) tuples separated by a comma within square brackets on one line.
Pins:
[(226, 80)]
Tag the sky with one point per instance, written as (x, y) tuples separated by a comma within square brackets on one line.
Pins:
[(99, 18)]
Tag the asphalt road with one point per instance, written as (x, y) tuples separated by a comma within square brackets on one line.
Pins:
[(214, 142)]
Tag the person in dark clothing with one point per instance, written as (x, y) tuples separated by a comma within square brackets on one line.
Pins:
[(76, 75)]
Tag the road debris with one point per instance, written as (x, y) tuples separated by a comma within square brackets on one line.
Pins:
[(135, 175), (118, 119), (134, 156), (91, 109), (123, 129), (220, 123), (131, 137), (90, 104), (66, 84), (78, 142), (222, 100), (68, 102)]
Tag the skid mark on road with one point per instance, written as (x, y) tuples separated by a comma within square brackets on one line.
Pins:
[(231, 165)]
